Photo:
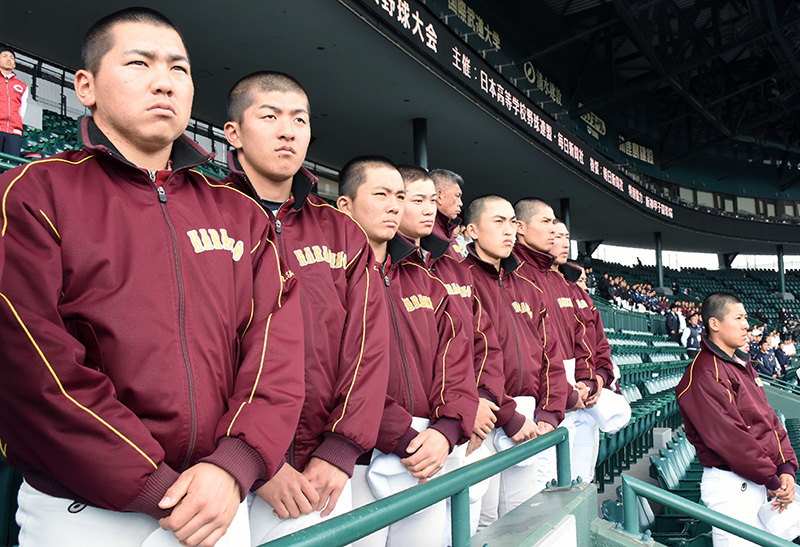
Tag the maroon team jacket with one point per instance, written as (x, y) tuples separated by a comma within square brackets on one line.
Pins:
[(728, 418), (346, 366), (430, 362), (133, 343), (515, 310), (443, 227), (457, 278)]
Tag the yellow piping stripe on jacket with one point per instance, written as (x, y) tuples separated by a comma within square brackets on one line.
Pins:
[(716, 369), (780, 449), (360, 353), (268, 240), (547, 371), (4, 449), (535, 286), (51, 224), (583, 341), (258, 377), (258, 244), (485, 340), (444, 360), (252, 310), (64, 392), (25, 170), (691, 373)]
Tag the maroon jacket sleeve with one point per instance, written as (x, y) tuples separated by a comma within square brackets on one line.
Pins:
[(50, 399), (352, 427), (256, 431), (395, 429), (704, 397), (454, 396), (488, 356), (553, 386), (602, 349)]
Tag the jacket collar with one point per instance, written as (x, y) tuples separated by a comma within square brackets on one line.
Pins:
[(739, 358), (399, 248), (507, 265), (435, 245), (570, 272), (541, 261), (444, 225), (185, 152), (302, 182)]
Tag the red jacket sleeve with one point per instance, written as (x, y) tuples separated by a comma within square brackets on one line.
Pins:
[(352, 427), (50, 398), (553, 386), (268, 393), (454, 395), (602, 364), (488, 356)]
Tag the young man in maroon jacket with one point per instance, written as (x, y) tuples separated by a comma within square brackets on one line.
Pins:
[(431, 399), (150, 363), (739, 440), (534, 395), (346, 370)]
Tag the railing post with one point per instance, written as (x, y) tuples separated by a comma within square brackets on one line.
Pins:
[(460, 525), (630, 504), (564, 472)]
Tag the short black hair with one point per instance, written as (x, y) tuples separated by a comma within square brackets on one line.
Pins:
[(478, 205), (8, 49), (354, 173), (716, 305), (413, 173), (443, 178), (525, 208), (98, 40), (240, 97)]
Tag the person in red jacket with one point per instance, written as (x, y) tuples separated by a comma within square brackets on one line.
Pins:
[(448, 206), (420, 210), (431, 401), (346, 369), (13, 103), (740, 442), (150, 355), (534, 397)]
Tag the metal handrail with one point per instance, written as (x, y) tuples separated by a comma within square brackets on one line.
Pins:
[(358, 523), (778, 382), (633, 488)]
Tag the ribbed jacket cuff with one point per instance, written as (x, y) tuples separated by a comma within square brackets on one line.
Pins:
[(402, 443), (572, 400), (240, 460), (451, 429), (592, 385), (514, 424), (608, 376), (483, 393), (154, 489), (774, 483), (261, 482), (339, 451), (547, 416), (787, 468)]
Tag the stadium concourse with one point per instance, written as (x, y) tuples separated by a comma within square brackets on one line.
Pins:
[(445, 94)]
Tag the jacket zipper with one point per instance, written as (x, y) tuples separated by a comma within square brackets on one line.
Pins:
[(162, 199), (514, 328), (557, 311), (399, 341)]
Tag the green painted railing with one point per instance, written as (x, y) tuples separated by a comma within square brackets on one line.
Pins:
[(363, 521), (778, 382), (632, 488)]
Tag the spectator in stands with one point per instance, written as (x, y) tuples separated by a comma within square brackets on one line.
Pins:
[(603, 286), (752, 343), (783, 361), (765, 362), (13, 102), (759, 314), (591, 282), (734, 436), (462, 240), (432, 399), (789, 348), (345, 369), (143, 304), (691, 335), (673, 323)]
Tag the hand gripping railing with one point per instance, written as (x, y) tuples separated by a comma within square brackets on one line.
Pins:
[(363, 521), (632, 488)]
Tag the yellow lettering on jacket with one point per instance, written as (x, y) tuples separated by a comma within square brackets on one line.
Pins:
[(565, 302), (209, 239), (417, 301), (582, 303), (454, 289), (522, 307), (318, 254)]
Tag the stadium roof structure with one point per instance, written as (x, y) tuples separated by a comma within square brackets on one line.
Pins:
[(368, 77)]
